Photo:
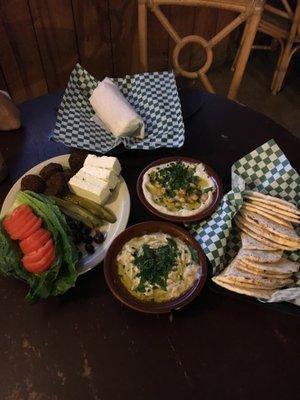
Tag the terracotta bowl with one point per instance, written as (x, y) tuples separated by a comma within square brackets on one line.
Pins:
[(217, 195), (119, 290)]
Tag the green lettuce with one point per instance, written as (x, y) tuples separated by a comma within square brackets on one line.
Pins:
[(62, 274)]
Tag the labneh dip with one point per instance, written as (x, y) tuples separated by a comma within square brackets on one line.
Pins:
[(157, 267)]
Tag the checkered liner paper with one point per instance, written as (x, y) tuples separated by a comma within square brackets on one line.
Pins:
[(154, 96), (267, 170)]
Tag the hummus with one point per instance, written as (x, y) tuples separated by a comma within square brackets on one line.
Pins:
[(157, 267), (178, 188)]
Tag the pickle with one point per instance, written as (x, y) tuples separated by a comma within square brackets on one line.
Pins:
[(77, 212), (94, 208)]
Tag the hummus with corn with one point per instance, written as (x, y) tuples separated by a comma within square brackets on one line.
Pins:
[(178, 188), (157, 267)]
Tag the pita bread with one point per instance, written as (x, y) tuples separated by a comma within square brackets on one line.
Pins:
[(261, 256), (247, 268), (249, 243), (233, 275), (282, 266), (273, 227), (258, 234), (280, 203), (258, 293), (271, 209), (249, 207)]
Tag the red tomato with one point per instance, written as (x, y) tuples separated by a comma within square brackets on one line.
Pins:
[(47, 264), (38, 254), (18, 211), (14, 226), (26, 230), (35, 241), (42, 264)]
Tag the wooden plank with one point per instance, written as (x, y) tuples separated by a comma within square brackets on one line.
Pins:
[(124, 34), (221, 50), (93, 34), (204, 26), (3, 84), (19, 56), (55, 31), (158, 42), (183, 19)]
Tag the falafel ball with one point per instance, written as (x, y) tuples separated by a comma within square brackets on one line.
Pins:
[(77, 159), (68, 173), (56, 184), (50, 169), (34, 183)]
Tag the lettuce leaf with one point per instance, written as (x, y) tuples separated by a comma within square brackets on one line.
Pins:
[(62, 274)]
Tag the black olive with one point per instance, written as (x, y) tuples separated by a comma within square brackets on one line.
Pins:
[(86, 230), (72, 224), (99, 237), (87, 239), (89, 248), (76, 239), (79, 237), (79, 225)]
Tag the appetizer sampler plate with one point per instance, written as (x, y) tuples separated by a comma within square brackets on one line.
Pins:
[(119, 203), (120, 291), (216, 196)]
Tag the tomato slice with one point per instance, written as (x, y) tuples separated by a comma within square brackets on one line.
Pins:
[(28, 230), (38, 254), (13, 226), (22, 232), (47, 264), (35, 241), (20, 210), (42, 264)]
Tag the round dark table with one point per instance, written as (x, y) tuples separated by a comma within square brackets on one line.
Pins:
[(87, 345)]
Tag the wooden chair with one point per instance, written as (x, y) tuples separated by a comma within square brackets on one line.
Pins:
[(283, 24), (249, 11)]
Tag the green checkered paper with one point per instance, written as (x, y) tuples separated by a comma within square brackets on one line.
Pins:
[(153, 95), (267, 170)]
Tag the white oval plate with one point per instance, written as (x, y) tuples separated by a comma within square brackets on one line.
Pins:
[(119, 203)]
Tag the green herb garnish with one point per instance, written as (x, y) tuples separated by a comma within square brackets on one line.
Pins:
[(174, 177), (194, 254), (156, 264)]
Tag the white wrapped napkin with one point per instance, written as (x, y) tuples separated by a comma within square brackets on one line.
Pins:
[(114, 111)]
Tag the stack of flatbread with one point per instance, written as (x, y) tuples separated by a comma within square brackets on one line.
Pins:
[(266, 225)]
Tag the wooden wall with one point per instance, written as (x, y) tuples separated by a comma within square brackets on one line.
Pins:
[(41, 40)]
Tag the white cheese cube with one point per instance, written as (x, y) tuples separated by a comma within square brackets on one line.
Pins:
[(98, 193), (103, 162), (94, 174)]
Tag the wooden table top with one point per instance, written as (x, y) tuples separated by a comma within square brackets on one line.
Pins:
[(87, 345)]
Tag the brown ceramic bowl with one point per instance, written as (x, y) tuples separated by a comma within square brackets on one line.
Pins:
[(119, 290), (217, 195)]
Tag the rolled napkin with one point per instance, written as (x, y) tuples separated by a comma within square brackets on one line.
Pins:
[(114, 111)]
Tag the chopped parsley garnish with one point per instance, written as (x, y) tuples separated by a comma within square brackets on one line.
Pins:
[(194, 254), (174, 177), (156, 264), (176, 186)]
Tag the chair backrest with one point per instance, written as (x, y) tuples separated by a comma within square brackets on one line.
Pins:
[(287, 11), (248, 11)]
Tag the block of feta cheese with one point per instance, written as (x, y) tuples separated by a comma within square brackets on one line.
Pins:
[(94, 175), (105, 162), (98, 193)]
